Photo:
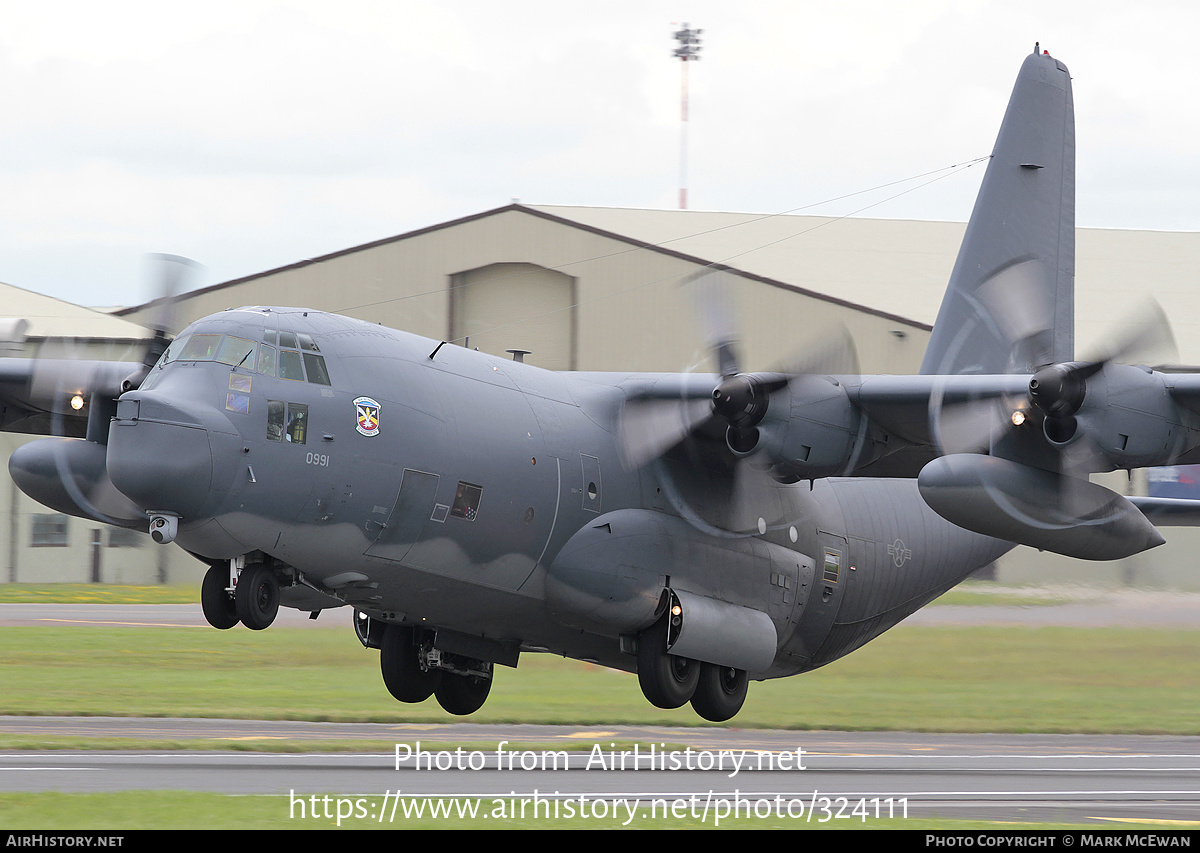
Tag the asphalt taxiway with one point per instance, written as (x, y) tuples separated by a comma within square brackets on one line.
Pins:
[(834, 777)]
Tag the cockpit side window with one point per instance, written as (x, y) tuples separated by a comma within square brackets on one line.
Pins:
[(315, 366), (172, 352), (290, 365), (266, 360)]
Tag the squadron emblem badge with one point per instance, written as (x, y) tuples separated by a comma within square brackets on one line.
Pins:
[(367, 411)]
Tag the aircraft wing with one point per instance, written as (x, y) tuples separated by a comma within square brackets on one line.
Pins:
[(1185, 390), (920, 409), (36, 394)]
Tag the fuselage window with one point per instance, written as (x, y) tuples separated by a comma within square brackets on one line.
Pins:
[(466, 501), (297, 425), (287, 422), (833, 566), (290, 365), (276, 418)]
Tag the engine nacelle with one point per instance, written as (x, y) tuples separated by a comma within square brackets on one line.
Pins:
[(1130, 415), (811, 430)]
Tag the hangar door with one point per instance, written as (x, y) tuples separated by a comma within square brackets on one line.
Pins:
[(516, 306)]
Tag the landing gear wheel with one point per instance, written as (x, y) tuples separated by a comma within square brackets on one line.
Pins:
[(462, 694), (219, 608), (667, 681), (257, 597), (720, 692), (402, 673)]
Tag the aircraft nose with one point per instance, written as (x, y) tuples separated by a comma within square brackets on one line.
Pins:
[(159, 456)]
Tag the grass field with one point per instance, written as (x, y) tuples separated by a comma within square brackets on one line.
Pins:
[(985, 679), (65, 593), (178, 810)]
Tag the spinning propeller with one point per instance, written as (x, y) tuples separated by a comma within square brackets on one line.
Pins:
[(1075, 418), (736, 424), (172, 272), (1062, 420), (66, 473)]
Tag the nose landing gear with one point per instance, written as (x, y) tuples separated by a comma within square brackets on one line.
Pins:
[(257, 597)]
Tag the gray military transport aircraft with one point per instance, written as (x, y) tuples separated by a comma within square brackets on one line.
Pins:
[(699, 530)]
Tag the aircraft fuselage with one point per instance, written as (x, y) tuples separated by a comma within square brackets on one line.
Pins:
[(442, 491)]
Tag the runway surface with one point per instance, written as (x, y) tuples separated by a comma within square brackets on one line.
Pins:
[(833, 777)]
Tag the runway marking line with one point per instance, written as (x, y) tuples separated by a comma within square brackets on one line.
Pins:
[(120, 624)]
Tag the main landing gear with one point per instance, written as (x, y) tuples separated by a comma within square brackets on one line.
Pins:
[(668, 681), (413, 670), (253, 601)]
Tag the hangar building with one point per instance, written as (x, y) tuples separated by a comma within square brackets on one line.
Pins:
[(603, 289)]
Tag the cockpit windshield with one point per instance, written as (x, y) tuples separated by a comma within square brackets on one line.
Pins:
[(286, 361)]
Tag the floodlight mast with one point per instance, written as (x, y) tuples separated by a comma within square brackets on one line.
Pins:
[(688, 50)]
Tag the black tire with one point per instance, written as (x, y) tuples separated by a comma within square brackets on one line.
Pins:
[(257, 597), (402, 673), (462, 694), (217, 604), (667, 681), (720, 692)]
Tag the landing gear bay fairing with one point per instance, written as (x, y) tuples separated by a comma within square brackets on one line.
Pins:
[(701, 531)]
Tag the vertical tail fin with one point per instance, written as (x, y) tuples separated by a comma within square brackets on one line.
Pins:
[(1010, 303)]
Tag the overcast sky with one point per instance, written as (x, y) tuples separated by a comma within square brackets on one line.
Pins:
[(252, 134)]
